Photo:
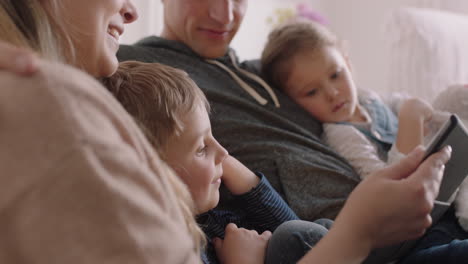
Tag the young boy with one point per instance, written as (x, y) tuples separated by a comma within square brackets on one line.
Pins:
[(304, 60)]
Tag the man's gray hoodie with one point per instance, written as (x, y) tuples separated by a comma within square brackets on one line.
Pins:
[(282, 142)]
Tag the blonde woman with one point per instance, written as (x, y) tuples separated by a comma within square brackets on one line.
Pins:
[(80, 183)]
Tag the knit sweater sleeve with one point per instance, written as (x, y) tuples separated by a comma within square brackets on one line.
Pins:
[(86, 186)]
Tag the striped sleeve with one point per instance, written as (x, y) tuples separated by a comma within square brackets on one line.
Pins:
[(263, 208)]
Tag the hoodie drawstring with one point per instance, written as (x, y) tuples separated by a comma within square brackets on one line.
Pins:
[(244, 85)]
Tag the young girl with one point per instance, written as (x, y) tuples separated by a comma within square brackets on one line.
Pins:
[(305, 61)]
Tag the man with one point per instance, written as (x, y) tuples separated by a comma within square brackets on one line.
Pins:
[(264, 129)]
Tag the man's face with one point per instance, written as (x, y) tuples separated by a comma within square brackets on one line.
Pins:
[(206, 26)]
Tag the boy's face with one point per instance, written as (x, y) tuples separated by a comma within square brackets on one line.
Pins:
[(197, 158), (321, 83), (206, 26)]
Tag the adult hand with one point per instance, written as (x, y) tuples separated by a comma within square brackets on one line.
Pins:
[(17, 60), (237, 177), (241, 246), (395, 203)]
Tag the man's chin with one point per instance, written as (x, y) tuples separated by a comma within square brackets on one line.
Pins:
[(212, 53)]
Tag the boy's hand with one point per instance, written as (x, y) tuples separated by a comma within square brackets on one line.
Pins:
[(241, 246), (237, 177), (17, 60)]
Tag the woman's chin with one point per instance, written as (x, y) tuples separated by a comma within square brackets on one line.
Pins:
[(107, 69)]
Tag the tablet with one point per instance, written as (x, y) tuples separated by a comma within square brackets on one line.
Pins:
[(453, 133)]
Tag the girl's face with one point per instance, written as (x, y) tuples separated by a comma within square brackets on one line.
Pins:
[(321, 82), (95, 27), (197, 158)]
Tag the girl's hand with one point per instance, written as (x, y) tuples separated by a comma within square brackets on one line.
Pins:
[(17, 60), (416, 109), (412, 122), (241, 246)]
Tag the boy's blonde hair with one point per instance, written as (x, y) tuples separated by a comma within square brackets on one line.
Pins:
[(32, 25), (288, 40), (158, 97)]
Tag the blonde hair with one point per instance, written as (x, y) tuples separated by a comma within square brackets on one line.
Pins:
[(158, 97), (288, 40), (30, 24)]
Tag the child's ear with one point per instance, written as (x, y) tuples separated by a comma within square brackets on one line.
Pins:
[(343, 48), (348, 61)]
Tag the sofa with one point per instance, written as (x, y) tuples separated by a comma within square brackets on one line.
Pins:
[(427, 51)]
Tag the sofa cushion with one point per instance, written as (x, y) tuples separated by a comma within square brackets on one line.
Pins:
[(428, 51)]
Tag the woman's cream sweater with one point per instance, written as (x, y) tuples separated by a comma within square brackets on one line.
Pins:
[(79, 182)]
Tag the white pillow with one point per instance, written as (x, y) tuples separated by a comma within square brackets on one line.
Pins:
[(428, 50)]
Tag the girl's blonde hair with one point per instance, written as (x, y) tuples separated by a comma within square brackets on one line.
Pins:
[(288, 40), (158, 97), (32, 25)]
